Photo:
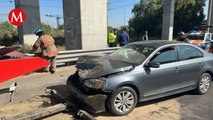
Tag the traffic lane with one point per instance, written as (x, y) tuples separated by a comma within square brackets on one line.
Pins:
[(166, 108), (196, 107), (35, 84), (183, 106)]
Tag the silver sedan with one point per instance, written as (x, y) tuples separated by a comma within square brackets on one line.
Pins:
[(139, 72)]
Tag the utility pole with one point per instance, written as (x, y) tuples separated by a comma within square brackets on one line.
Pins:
[(58, 17), (209, 19), (124, 17)]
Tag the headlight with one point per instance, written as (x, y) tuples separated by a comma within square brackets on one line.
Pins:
[(94, 83)]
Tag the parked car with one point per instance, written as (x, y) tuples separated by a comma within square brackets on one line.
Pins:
[(139, 72)]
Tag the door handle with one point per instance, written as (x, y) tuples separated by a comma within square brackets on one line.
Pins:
[(177, 69)]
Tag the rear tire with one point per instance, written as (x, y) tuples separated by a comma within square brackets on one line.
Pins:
[(122, 101), (203, 84)]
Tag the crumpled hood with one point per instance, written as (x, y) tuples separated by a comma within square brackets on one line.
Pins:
[(97, 66)]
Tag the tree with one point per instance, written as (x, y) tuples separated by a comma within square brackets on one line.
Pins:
[(47, 28), (109, 29), (61, 27), (188, 14), (148, 16), (8, 34), (55, 33)]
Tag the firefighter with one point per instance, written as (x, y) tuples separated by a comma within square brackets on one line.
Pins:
[(49, 50), (182, 37)]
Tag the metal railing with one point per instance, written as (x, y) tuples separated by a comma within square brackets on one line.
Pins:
[(70, 56)]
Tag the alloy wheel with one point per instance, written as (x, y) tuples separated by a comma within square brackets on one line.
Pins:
[(205, 83), (124, 101)]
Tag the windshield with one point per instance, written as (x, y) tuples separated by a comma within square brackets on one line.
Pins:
[(196, 37), (134, 54)]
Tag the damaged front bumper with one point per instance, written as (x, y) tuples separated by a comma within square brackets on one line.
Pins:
[(92, 103)]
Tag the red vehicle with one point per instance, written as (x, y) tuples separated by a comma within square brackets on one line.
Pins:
[(14, 64)]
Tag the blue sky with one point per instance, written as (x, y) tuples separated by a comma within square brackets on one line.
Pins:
[(119, 11)]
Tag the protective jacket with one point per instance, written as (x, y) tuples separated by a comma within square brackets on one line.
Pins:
[(47, 45)]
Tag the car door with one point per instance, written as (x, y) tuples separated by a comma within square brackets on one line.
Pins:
[(166, 77), (191, 60)]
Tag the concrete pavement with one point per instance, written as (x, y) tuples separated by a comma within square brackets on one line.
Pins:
[(35, 83), (184, 106)]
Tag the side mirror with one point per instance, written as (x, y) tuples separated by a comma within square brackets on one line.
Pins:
[(153, 64)]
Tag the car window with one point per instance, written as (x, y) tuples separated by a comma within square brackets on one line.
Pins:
[(166, 55), (134, 54), (189, 52)]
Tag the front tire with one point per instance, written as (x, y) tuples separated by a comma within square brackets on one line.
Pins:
[(204, 84), (122, 101)]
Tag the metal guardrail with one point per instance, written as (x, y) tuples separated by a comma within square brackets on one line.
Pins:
[(70, 56)]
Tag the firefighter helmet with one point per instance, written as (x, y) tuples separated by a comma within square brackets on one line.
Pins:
[(38, 31)]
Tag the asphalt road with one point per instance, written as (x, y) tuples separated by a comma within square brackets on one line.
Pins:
[(196, 107), (184, 106)]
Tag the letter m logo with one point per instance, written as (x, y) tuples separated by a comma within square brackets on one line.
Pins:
[(16, 17)]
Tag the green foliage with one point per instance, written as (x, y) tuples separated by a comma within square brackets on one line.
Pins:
[(57, 34), (47, 28), (148, 16), (188, 14), (109, 29), (8, 34), (61, 27), (25, 48)]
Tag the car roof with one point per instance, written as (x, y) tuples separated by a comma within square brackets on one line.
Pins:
[(155, 43)]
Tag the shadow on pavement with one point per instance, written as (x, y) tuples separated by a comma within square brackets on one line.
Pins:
[(4, 90), (146, 103), (196, 107), (62, 89)]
